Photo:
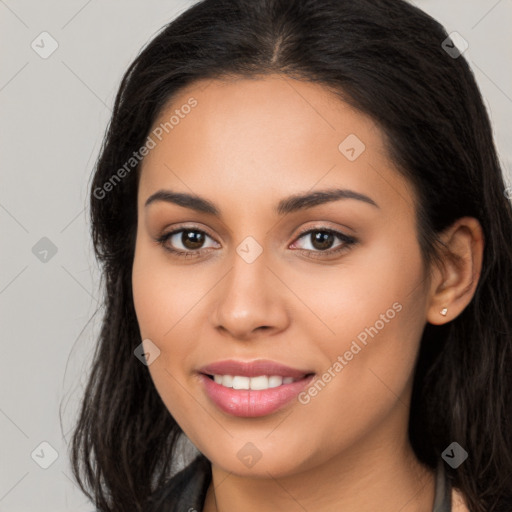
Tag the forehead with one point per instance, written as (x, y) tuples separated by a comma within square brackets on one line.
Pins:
[(262, 133), (278, 108)]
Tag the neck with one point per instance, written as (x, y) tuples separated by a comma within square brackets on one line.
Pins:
[(377, 474)]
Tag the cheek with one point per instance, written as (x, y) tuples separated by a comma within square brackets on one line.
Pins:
[(367, 380), (377, 313), (368, 287), (166, 306), (163, 294)]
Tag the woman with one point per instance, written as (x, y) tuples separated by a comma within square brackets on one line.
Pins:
[(306, 244)]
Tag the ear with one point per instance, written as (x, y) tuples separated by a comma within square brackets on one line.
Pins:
[(454, 282)]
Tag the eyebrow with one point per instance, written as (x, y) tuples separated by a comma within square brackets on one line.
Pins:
[(290, 204)]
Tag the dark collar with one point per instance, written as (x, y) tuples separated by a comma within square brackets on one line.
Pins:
[(186, 491), (443, 496)]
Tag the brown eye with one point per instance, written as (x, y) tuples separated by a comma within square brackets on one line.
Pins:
[(322, 242), (192, 239), (186, 242)]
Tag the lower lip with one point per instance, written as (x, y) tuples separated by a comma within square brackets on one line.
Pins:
[(250, 403)]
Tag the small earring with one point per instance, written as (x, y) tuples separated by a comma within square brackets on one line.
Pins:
[(444, 311)]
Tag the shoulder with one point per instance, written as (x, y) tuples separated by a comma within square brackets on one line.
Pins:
[(185, 490)]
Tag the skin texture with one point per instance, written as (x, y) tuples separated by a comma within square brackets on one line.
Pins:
[(246, 145)]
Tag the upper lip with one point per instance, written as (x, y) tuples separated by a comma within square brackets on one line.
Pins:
[(253, 369)]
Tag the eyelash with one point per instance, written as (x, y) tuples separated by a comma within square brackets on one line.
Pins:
[(348, 241)]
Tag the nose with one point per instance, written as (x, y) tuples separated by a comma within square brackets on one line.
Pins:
[(250, 301)]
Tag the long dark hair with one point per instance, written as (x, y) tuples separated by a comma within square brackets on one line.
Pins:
[(385, 58)]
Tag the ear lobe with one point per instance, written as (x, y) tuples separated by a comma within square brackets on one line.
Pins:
[(455, 280)]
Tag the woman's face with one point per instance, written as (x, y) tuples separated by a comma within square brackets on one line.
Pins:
[(257, 163)]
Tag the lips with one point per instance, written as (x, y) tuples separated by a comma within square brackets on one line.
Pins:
[(245, 401)]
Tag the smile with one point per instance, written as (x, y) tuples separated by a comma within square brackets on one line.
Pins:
[(257, 383)]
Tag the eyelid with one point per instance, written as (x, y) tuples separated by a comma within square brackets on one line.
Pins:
[(188, 227), (321, 227), (347, 240)]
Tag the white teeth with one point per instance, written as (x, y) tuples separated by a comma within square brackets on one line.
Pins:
[(275, 381), (240, 382), (227, 380), (259, 382), (256, 383)]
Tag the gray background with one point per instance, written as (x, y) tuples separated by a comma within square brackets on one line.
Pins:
[(52, 119)]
